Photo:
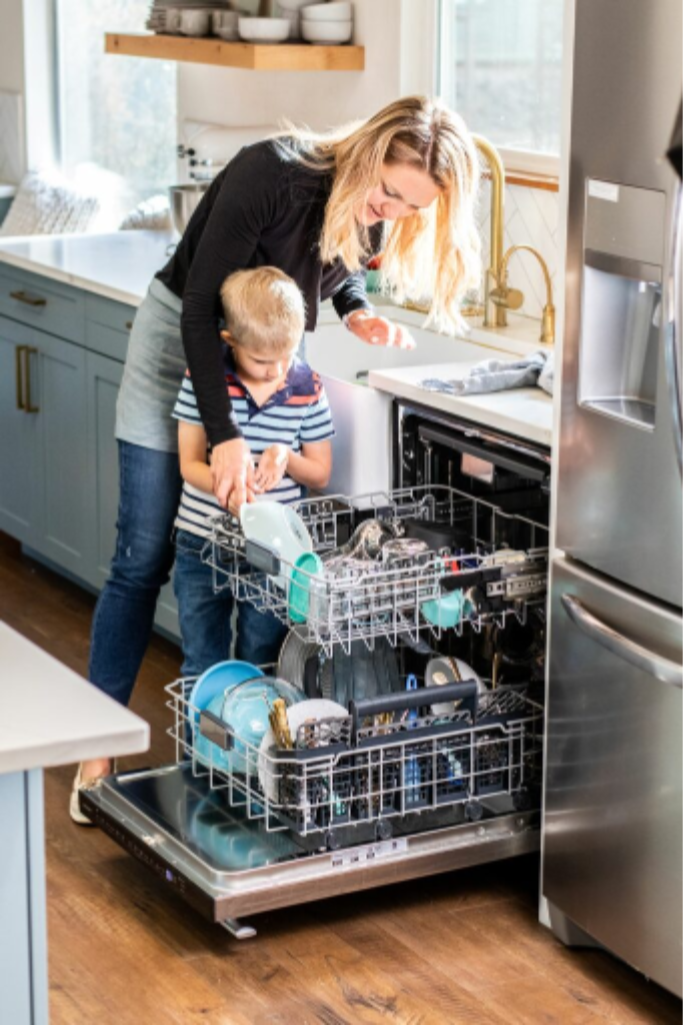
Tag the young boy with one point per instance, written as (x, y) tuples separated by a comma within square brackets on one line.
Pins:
[(284, 416)]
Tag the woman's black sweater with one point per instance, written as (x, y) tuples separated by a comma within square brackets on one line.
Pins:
[(263, 208)]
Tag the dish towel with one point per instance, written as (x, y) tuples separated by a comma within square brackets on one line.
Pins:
[(496, 376)]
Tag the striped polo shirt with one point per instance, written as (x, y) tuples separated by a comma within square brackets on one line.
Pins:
[(297, 413)]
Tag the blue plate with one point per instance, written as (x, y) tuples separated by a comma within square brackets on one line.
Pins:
[(217, 679)]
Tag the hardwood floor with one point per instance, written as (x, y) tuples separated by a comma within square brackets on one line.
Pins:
[(462, 948)]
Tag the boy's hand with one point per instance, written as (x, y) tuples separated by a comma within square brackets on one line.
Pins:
[(271, 467)]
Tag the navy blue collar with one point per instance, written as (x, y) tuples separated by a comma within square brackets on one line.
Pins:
[(301, 381)]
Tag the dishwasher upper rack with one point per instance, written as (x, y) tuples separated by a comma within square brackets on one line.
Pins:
[(356, 779), (362, 602)]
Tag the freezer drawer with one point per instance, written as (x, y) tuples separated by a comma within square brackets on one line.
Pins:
[(612, 834)]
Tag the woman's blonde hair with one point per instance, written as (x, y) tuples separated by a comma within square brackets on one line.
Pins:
[(263, 309), (433, 254)]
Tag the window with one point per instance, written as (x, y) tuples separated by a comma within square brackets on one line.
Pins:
[(501, 67), (117, 115)]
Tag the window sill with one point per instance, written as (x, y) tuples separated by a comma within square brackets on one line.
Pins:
[(531, 180)]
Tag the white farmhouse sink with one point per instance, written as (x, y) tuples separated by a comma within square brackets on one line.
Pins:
[(362, 416)]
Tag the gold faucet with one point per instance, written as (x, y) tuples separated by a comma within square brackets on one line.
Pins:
[(512, 299), (498, 297), (494, 313)]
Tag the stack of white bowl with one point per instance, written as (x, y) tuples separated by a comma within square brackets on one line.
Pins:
[(292, 10), (327, 24)]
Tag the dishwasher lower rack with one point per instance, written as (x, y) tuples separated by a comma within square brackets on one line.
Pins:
[(355, 600), (376, 772)]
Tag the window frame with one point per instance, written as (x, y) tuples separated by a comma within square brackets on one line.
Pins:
[(532, 163)]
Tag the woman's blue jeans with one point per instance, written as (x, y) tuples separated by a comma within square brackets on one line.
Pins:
[(149, 493)]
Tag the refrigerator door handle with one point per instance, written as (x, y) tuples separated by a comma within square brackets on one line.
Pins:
[(656, 665), (673, 326)]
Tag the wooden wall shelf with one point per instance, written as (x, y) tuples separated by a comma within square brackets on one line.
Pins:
[(254, 57)]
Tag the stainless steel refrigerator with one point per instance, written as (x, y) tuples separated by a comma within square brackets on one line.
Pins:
[(612, 843)]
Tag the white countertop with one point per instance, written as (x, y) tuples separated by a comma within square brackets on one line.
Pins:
[(120, 265), (524, 412), (49, 716)]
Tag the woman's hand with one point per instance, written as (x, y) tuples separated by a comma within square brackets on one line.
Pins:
[(379, 331), (271, 468), (232, 474)]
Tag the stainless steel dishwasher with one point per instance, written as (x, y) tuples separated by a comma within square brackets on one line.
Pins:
[(395, 789)]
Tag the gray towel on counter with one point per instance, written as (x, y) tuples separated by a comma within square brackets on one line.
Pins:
[(493, 376), (546, 376)]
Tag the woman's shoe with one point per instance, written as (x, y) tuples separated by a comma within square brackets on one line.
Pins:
[(74, 805)]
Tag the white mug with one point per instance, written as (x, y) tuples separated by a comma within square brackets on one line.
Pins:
[(194, 22), (225, 23), (172, 24)]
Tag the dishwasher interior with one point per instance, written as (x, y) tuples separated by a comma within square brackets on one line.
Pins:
[(419, 631)]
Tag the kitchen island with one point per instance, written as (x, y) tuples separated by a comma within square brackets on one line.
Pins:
[(50, 717)]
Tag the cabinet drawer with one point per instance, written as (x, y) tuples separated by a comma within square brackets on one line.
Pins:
[(108, 326), (53, 307)]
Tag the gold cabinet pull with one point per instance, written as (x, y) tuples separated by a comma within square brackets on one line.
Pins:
[(18, 353), (22, 297), (29, 351)]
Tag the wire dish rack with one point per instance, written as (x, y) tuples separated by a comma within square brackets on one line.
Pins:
[(500, 572), (390, 767)]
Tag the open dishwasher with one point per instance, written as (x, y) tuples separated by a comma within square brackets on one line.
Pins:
[(440, 774)]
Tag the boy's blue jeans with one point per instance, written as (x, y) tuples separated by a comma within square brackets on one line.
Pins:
[(149, 493), (205, 616)]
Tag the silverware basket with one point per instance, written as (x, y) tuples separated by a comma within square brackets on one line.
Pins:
[(473, 583)]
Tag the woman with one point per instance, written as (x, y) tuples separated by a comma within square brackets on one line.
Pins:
[(317, 207)]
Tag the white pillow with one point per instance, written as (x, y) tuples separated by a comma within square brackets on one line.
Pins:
[(46, 205), (153, 213)]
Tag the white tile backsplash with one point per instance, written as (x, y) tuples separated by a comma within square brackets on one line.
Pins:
[(11, 138), (530, 218)]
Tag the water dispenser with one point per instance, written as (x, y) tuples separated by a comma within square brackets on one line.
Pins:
[(621, 301)]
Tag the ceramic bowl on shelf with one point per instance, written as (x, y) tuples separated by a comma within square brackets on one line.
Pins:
[(264, 30), (326, 33), (294, 10), (338, 10)]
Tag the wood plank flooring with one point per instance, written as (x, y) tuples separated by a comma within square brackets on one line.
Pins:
[(461, 948)]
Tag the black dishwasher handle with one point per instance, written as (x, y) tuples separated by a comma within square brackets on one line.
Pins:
[(465, 691)]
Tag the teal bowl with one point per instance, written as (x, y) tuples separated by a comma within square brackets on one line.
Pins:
[(306, 569), (447, 611)]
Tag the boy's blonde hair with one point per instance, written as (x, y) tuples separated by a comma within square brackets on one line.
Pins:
[(434, 253), (263, 309)]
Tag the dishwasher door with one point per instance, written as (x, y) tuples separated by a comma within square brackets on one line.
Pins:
[(612, 834)]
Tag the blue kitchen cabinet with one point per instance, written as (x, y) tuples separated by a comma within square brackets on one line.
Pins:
[(19, 438), (103, 381), (58, 456), (58, 378), (23, 932)]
